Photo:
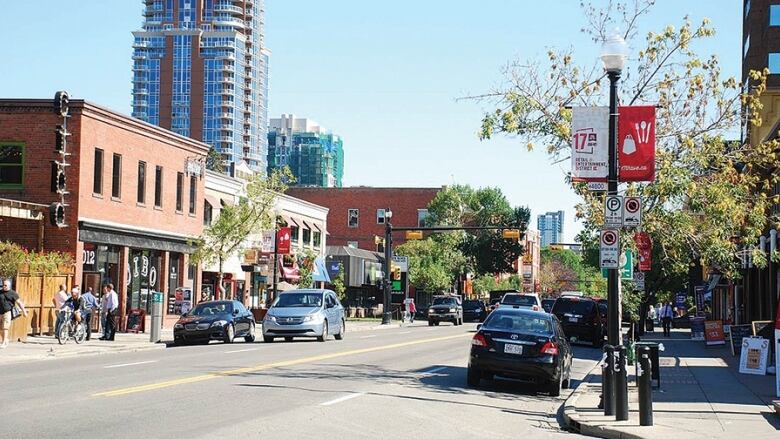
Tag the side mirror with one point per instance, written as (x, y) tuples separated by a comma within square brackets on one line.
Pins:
[(479, 326), (330, 305)]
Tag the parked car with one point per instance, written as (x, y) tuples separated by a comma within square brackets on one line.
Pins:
[(521, 344), (445, 309), (580, 318), (218, 320), (474, 310), (521, 300), (547, 304), (305, 313)]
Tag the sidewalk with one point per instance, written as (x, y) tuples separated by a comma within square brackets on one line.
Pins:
[(702, 395), (47, 347)]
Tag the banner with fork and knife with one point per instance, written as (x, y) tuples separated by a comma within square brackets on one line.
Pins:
[(636, 143)]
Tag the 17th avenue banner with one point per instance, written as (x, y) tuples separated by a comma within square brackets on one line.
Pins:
[(589, 143), (636, 143)]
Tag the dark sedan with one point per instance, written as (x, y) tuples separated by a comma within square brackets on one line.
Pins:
[(474, 311), (217, 320), (521, 344)]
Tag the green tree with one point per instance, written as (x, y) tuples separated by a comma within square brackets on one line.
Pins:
[(711, 196), (227, 235), (566, 270), (306, 268), (433, 265), (339, 286), (486, 283)]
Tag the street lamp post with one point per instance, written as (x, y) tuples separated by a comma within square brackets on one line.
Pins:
[(387, 314), (613, 54)]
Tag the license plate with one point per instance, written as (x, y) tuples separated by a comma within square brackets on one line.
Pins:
[(574, 319), (513, 349)]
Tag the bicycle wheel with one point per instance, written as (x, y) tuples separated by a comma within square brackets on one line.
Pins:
[(80, 333), (64, 333)]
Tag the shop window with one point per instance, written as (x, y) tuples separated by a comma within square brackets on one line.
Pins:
[(352, 218), (380, 216), (294, 234), (193, 193), (11, 165), (97, 177), (306, 237), (208, 213), (179, 189), (422, 216), (317, 238), (116, 177), (142, 182), (158, 186)]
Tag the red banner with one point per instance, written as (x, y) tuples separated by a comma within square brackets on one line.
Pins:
[(283, 240), (645, 246), (636, 143)]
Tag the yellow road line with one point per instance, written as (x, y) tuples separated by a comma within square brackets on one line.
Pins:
[(259, 367)]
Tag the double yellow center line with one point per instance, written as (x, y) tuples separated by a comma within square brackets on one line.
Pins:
[(266, 366)]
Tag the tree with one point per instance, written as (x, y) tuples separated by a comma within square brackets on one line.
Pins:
[(711, 196), (433, 265), (13, 257), (486, 283), (306, 268), (339, 286), (566, 270), (214, 161), (227, 235)]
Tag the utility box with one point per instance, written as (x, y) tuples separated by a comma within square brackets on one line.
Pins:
[(157, 316)]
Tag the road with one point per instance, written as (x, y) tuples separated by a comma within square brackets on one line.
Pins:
[(400, 382)]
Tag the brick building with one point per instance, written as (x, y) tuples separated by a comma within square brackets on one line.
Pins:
[(134, 200)]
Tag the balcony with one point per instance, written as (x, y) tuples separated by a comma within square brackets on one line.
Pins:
[(226, 116), (139, 114), (227, 7), (228, 22), (140, 68), (140, 103), (140, 91), (227, 92), (140, 44), (228, 67), (140, 56)]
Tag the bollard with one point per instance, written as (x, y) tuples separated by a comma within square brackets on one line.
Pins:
[(156, 321), (620, 384), (607, 380), (645, 385)]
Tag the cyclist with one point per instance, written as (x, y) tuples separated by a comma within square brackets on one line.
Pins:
[(77, 303)]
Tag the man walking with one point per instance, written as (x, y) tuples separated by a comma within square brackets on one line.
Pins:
[(667, 314), (8, 299), (58, 300), (110, 305), (90, 307)]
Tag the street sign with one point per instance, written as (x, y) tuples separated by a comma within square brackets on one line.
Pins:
[(401, 262), (632, 212), (613, 211), (639, 281), (609, 253), (627, 265), (414, 234), (510, 234), (597, 186)]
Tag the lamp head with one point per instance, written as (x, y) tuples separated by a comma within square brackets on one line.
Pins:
[(614, 52)]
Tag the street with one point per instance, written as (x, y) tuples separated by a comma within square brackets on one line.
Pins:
[(399, 382)]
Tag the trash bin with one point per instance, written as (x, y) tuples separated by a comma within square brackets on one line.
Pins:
[(654, 360)]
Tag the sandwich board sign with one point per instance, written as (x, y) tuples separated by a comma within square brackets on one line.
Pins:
[(613, 211), (753, 356), (609, 254), (632, 212)]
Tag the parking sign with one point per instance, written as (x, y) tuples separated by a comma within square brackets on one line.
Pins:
[(632, 212), (613, 211), (609, 254)]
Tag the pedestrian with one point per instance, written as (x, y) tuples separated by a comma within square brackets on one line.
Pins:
[(667, 314), (412, 310), (110, 304), (91, 307), (58, 300), (651, 318), (8, 300)]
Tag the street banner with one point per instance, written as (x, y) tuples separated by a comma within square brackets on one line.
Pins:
[(283, 240), (267, 242), (645, 249), (609, 253), (713, 332), (589, 143), (636, 143), (754, 354)]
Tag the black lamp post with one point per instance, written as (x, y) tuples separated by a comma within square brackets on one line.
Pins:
[(387, 314)]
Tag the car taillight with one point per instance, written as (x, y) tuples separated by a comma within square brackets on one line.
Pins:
[(479, 340), (550, 348)]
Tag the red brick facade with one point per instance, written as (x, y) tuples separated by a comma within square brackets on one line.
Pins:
[(404, 203)]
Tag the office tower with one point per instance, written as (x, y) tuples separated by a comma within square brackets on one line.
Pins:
[(315, 156), (550, 225)]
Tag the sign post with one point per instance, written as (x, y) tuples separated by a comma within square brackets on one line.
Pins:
[(777, 350), (609, 254)]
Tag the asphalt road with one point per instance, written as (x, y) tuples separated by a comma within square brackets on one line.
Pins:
[(401, 382)]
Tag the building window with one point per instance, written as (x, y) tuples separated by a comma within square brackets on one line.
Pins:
[(380, 216), (11, 165), (158, 185), (142, 182), (306, 237), (193, 193), (179, 189), (352, 218), (116, 177), (317, 239), (352, 244), (773, 63), (422, 216), (294, 234), (97, 177), (774, 15), (208, 213)]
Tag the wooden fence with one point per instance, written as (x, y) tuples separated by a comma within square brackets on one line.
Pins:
[(37, 291)]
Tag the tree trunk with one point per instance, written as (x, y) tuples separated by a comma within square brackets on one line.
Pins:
[(218, 295)]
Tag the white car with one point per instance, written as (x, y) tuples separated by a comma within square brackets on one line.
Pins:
[(521, 300)]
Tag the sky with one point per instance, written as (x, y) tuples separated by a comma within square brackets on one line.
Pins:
[(386, 76)]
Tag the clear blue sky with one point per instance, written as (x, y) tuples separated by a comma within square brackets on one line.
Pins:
[(383, 75)]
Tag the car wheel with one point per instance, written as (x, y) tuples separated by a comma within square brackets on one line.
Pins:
[(230, 334), (267, 339), (437, 323), (473, 377), (250, 338), (177, 342), (340, 335), (324, 335), (554, 387), (430, 322)]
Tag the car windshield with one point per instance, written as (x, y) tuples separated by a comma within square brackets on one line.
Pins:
[(517, 299), (309, 300), (444, 301), (472, 304), (212, 308), (569, 306), (508, 321)]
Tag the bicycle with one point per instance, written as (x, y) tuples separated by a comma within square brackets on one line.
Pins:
[(70, 328)]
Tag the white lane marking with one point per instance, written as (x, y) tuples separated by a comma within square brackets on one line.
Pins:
[(342, 399), (368, 336), (405, 332), (435, 369), (129, 364), (242, 350)]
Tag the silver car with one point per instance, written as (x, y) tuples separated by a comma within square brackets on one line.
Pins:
[(304, 313)]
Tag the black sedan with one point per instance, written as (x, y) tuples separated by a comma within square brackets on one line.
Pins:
[(474, 311), (521, 344), (217, 320)]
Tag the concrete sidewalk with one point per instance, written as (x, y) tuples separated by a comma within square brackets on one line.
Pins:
[(47, 347), (702, 395)]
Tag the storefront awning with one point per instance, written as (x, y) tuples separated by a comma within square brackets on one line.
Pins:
[(143, 239), (317, 227), (213, 201), (320, 273), (306, 225), (291, 222)]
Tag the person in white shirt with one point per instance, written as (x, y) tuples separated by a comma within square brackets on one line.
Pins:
[(110, 306), (59, 299), (667, 314)]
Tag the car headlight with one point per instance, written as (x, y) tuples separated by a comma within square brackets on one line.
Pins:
[(430, 311), (178, 326), (218, 323), (452, 309), (312, 318), (270, 318)]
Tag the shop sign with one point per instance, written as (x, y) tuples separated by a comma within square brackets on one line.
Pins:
[(697, 328), (713, 332), (736, 334), (589, 143), (89, 257), (142, 267), (698, 295), (754, 355), (636, 143)]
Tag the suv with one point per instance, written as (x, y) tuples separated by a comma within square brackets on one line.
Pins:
[(580, 318), (474, 310), (445, 308), (521, 300)]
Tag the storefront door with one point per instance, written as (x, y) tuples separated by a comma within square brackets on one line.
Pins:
[(142, 278)]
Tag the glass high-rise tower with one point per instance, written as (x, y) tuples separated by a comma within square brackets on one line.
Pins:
[(200, 69), (550, 226)]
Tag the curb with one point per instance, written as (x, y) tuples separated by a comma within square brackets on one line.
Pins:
[(573, 420), (53, 354)]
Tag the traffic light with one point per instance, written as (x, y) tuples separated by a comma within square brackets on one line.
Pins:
[(61, 103), (414, 235), (57, 214), (395, 274), (510, 234)]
